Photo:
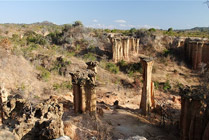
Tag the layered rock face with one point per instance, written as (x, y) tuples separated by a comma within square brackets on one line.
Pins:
[(84, 89), (27, 121), (194, 120), (147, 98), (196, 52), (195, 49), (123, 47)]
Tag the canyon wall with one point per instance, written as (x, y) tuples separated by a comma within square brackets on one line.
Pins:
[(194, 49), (196, 52), (194, 119), (123, 47), (126, 47)]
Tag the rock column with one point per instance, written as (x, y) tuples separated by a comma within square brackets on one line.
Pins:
[(194, 117), (147, 98), (90, 87), (91, 96), (84, 92), (196, 53), (3, 100), (123, 47), (77, 90)]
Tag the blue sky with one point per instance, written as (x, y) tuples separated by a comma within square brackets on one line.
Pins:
[(122, 14)]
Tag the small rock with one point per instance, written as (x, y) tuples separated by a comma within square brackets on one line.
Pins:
[(116, 103)]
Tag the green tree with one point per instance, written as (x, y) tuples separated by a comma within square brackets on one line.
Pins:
[(132, 31), (170, 29), (77, 23), (152, 30), (66, 27)]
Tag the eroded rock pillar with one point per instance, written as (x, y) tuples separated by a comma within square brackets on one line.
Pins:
[(197, 55), (91, 96), (114, 49), (193, 119), (3, 100), (147, 98), (92, 66), (76, 92), (90, 87), (84, 92), (124, 47), (137, 45)]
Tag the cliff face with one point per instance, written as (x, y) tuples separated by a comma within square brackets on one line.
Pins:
[(194, 49), (196, 52), (123, 47), (194, 122)]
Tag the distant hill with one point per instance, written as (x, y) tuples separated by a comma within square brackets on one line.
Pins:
[(202, 29), (47, 23)]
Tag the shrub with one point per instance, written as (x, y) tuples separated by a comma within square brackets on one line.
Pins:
[(122, 63), (36, 38), (54, 37), (89, 56), (45, 74), (166, 52), (167, 86), (15, 37), (60, 66), (179, 85), (170, 29), (27, 50), (112, 68), (130, 68), (152, 30), (77, 23), (156, 83), (64, 85), (130, 73), (132, 31), (67, 27), (70, 54)]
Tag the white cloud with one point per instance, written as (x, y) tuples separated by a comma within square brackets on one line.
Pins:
[(148, 26), (121, 26), (120, 21), (101, 26), (95, 20)]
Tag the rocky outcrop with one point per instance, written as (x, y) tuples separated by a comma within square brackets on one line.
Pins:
[(84, 92), (147, 98), (194, 120), (123, 47), (28, 121), (196, 52)]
